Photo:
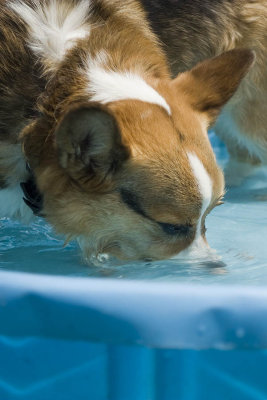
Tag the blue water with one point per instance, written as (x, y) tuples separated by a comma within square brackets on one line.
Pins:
[(237, 230)]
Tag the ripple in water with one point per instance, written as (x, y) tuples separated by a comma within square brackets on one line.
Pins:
[(237, 230)]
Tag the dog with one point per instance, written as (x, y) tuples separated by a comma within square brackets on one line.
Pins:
[(104, 111)]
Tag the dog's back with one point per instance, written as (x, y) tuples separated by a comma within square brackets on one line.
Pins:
[(193, 30)]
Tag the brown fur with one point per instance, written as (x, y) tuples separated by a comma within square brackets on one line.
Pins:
[(194, 30), (85, 156)]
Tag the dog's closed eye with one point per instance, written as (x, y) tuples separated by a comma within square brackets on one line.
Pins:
[(171, 229)]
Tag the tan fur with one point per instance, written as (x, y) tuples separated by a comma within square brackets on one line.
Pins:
[(86, 155), (247, 109), (158, 172), (233, 25)]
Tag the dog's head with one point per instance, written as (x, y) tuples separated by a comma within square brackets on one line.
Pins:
[(134, 179)]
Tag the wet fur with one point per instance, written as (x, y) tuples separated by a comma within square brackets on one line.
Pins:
[(82, 170)]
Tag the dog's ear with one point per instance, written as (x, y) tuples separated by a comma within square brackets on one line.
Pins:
[(88, 141), (211, 83)]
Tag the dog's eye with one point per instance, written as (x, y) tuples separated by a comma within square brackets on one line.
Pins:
[(175, 229)]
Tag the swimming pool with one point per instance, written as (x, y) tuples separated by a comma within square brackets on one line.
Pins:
[(172, 330)]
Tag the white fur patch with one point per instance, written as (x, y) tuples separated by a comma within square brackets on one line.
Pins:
[(13, 206), (54, 26), (204, 184), (107, 86), (199, 248)]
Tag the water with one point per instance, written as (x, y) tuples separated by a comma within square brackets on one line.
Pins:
[(237, 230)]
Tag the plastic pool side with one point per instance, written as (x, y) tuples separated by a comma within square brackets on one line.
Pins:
[(70, 338)]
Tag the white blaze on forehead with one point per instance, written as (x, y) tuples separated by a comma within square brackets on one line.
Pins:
[(106, 86), (199, 248), (54, 25), (204, 184)]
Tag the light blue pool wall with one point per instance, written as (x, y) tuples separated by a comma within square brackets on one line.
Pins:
[(47, 369)]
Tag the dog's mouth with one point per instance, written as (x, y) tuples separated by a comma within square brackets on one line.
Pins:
[(105, 260), (210, 259), (116, 254), (99, 253)]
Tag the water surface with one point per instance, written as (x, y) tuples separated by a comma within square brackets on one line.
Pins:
[(237, 230)]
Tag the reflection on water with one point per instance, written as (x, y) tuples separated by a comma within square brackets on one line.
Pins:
[(237, 230)]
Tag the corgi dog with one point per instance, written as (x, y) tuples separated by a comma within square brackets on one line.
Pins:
[(104, 111)]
